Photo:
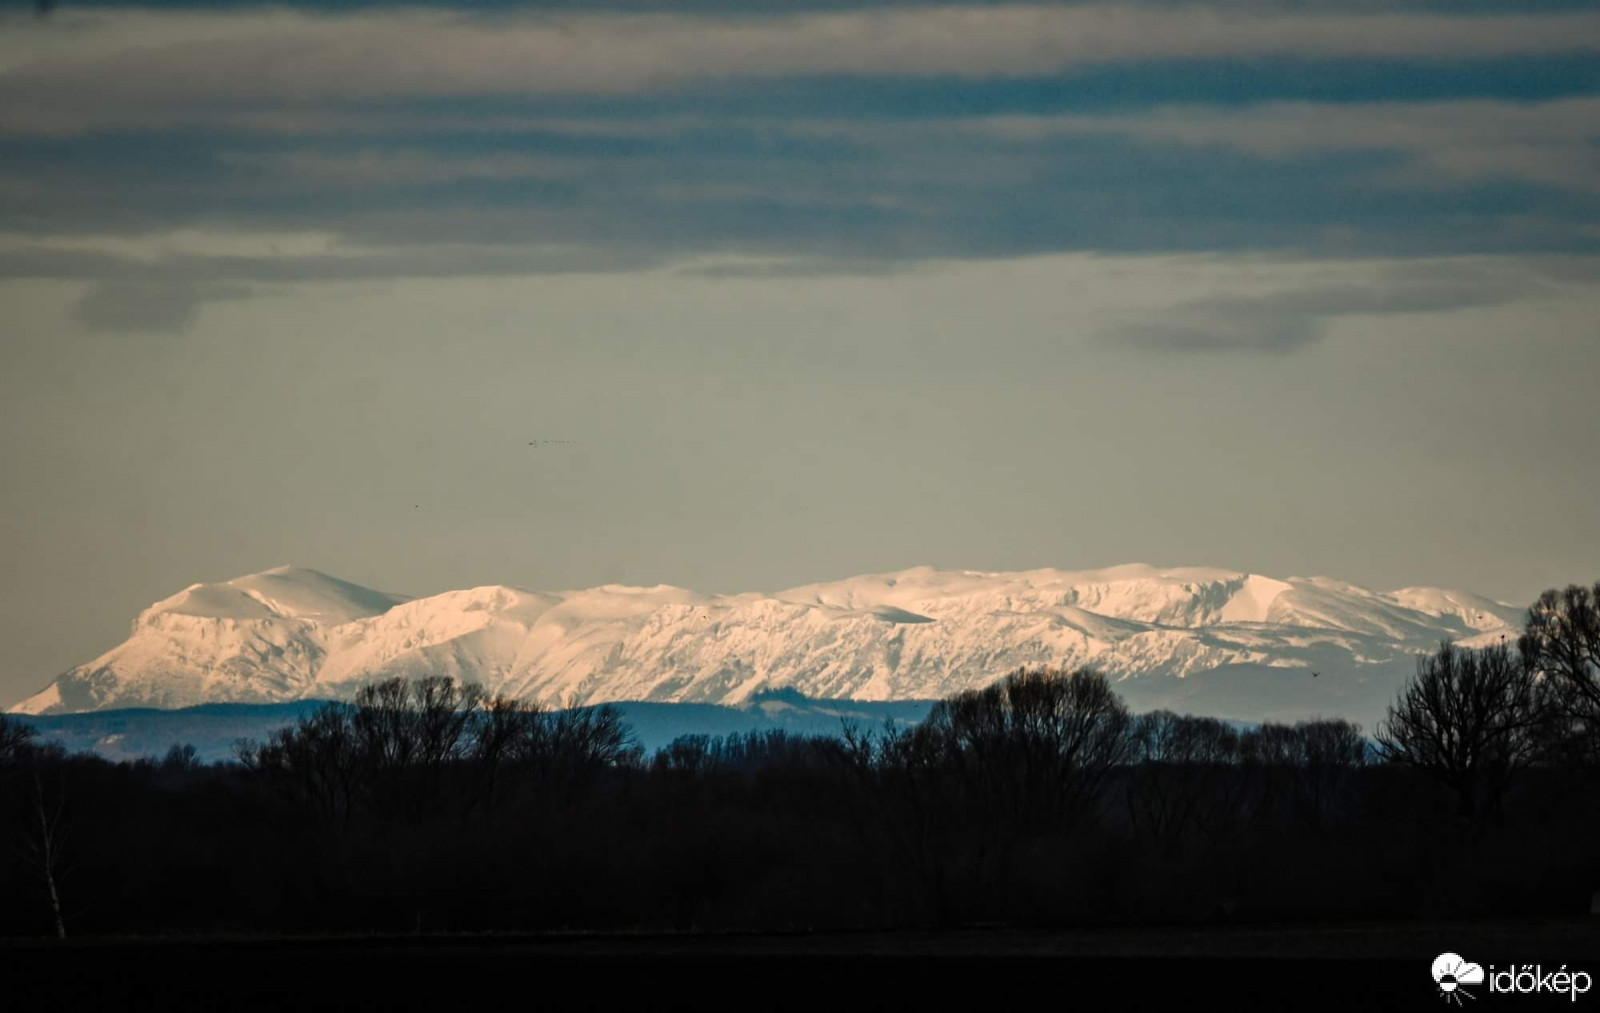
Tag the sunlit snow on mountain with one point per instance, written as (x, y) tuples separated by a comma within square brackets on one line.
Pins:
[(1202, 640)]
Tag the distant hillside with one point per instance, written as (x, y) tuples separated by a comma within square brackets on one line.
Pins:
[(214, 729)]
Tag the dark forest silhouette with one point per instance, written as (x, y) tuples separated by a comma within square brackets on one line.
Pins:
[(1039, 800)]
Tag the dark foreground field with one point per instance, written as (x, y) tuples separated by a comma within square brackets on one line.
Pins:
[(1290, 967)]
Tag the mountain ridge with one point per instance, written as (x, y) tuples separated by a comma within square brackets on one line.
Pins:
[(294, 633)]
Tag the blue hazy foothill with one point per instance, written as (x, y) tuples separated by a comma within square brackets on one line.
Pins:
[(216, 729)]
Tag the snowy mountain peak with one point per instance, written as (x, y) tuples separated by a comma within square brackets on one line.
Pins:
[(283, 592), (1225, 641), (1184, 596)]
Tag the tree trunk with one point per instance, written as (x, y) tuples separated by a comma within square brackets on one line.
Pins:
[(48, 854)]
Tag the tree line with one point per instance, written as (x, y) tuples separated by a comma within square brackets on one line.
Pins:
[(430, 805)]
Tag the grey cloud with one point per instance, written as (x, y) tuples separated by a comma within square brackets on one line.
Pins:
[(1360, 179), (794, 267), (95, 62), (1221, 328), (1551, 143), (167, 306), (396, 167), (442, 261), (1291, 319), (165, 295)]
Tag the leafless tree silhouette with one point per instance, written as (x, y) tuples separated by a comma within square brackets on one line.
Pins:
[(45, 838), (1183, 778), (410, 749), (1039, 744), (16, 740), (1561, 641), (1472, 719)]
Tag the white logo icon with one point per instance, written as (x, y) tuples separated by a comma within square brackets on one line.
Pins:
[(1450, 972)]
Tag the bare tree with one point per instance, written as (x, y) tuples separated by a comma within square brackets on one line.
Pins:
[(47, 843), (1184, 776), (16, 742), (913, 801), (1328, 752), (499, 727), (1472, 719), (409, 738), (687, 756), (1305, 769), (564, 750), (445, 717), (957, 795), (312, 762), (1039, 744), (42, 839), (1561, 641), (415, 749), (180, 759)]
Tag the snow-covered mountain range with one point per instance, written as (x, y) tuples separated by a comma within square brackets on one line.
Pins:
[(1202, 640)]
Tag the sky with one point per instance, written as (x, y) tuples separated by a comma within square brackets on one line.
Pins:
[(740, 295)]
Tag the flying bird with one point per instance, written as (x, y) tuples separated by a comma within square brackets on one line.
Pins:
[(1315, 674)]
